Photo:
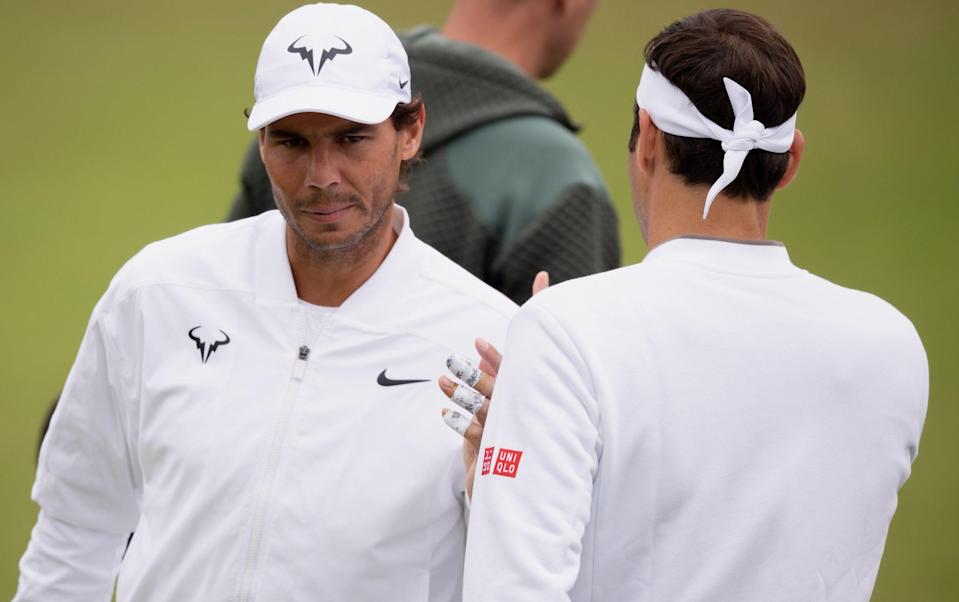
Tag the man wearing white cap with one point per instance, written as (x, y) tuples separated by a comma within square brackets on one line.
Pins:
[(505, 188), (254, 399), (714, 423)]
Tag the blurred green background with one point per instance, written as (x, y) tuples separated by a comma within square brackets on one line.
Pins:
[(123, 124)]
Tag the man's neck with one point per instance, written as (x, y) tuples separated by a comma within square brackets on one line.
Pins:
[(679, 212), (515, 37), (329, 278)]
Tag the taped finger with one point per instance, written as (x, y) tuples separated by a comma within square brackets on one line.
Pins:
[(468, 399), (456, 421), (463, 369)]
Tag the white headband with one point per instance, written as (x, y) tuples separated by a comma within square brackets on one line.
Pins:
[(673, 112)]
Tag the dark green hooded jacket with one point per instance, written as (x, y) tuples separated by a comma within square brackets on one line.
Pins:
[(505, 188)]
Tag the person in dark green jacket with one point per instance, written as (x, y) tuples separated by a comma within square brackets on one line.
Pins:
[(505, 189)]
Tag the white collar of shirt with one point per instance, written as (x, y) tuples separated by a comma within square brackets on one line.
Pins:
[(757, 258), (317, 313), (274, 278)]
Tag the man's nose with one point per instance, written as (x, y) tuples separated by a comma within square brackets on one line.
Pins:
[(323, 171)]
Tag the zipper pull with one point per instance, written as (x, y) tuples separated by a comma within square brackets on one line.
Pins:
[(300, 367)]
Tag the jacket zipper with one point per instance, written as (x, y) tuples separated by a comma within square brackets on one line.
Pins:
[(266, 483)]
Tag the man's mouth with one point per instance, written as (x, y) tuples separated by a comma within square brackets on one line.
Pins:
[(328, 213)]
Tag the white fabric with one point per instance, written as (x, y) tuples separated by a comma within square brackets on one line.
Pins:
[(713, 424), (336, 59), (317, 313), (254, 476), (673, 112)]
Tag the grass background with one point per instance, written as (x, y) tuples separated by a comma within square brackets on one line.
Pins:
[(123, 124)]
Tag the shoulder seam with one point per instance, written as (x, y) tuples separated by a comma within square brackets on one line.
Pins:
[(467, 294), (136, 288)]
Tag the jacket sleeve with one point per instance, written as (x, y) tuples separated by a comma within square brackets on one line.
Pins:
[(65, 563), (256, 194), (540, 451), (577, 236), (88, 479)]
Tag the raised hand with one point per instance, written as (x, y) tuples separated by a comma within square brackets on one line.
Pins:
[(474, 392)]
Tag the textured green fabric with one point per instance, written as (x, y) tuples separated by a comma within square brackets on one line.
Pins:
[(528, 165), (466, 87), (505, 188)]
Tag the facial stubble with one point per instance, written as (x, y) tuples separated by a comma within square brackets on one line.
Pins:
[(357, 246)]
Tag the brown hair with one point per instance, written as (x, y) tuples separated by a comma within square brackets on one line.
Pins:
[(404, 115), (695, 53)]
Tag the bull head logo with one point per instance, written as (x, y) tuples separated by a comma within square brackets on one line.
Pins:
[(207, 347)]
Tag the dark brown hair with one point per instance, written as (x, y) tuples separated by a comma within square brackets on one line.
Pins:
[(404, 115), (695, 53)]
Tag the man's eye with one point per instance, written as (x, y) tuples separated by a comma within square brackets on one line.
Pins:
[(352, 138), (293, 142)]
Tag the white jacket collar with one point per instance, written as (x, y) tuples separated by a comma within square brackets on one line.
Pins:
[(761, 258), (273, 278)]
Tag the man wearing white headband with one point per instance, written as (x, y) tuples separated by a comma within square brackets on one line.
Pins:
[(714, 423), (253, 400)]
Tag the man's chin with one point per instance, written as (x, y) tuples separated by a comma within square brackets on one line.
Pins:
[(320, 230), (333, 241), (347, 235)]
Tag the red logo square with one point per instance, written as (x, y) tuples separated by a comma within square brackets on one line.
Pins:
[(487, 460), (507, 463)]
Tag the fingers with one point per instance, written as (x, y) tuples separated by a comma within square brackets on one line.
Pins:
[(448, 386), (540, 282), (469, 428), (490, 358), (461, 395), (481, 413), (488, 368), (474, 377), (463, 369), (456, 421), (472, 401), (472, 396)]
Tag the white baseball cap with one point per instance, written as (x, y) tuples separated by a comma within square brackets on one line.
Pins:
[(335, 59)]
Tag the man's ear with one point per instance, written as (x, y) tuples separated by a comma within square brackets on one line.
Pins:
[(646, 145), (412, 136), (261, 136), (795, 156)]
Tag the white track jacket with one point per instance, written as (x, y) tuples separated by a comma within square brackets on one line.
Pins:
[(711, 425), (260, 450)]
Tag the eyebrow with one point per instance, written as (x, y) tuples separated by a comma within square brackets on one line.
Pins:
[(274, 133), (356, 128)]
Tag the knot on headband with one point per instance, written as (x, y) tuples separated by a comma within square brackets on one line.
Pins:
[(745, 137), (673, 112)]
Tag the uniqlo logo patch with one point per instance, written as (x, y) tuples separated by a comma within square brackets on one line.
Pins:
[(507, 462), (487, 460)]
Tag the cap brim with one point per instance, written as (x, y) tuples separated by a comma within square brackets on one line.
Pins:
[(360, 107)]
